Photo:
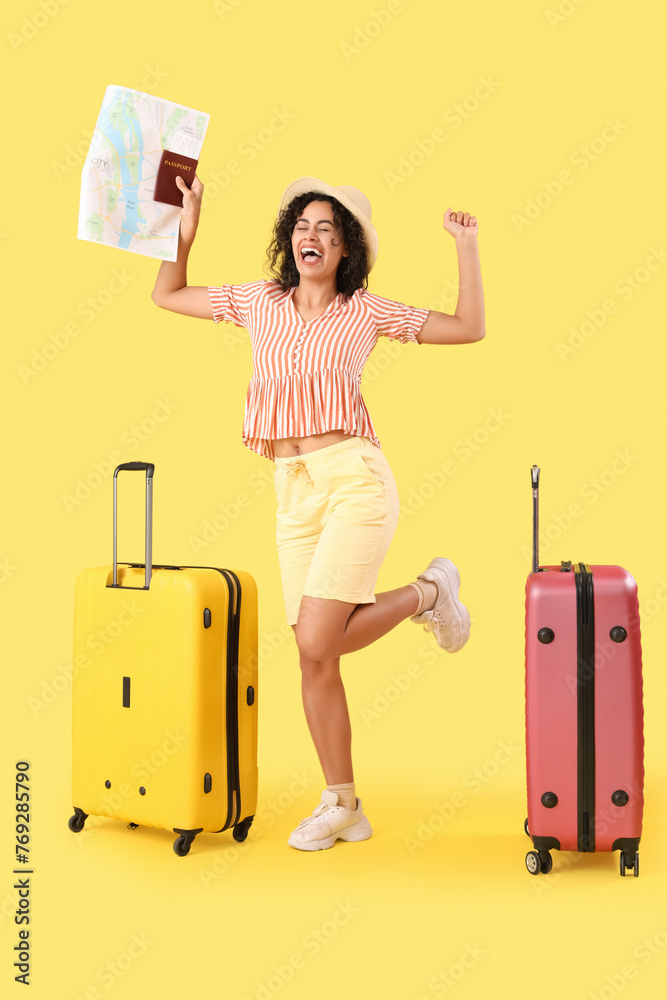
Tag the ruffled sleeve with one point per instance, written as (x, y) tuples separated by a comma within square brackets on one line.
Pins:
[(233, 303), (395, 320)]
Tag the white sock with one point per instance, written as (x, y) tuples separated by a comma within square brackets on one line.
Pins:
[(428, 595), (347, 796)]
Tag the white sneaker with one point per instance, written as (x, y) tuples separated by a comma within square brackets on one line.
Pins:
[(328, 823), (449, 620)]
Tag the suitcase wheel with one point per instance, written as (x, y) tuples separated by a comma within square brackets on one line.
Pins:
[(630, 861), (539, 862), (525, 826), (182, 844), (75, 822), (547, 862), (533, 863), (240, 831)]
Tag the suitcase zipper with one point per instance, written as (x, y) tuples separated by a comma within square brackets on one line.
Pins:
[(585, 708), (233, 620)]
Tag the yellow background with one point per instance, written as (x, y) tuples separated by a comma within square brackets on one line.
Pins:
[(393, 919)]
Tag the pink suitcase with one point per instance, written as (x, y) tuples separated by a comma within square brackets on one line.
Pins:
[(584, 712)]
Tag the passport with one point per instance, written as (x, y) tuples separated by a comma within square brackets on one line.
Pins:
[(172, 165)]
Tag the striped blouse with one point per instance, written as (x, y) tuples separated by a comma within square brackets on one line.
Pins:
[(306, 375)]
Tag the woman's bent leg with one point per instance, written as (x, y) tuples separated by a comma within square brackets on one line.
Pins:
[(329, 628), (369, 622)]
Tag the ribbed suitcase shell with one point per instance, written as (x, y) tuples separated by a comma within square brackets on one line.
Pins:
[(554, 678), (156, 697)]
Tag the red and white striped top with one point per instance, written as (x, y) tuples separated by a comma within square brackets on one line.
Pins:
[(306, 375)]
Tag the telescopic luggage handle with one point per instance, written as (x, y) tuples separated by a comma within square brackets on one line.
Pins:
[(535, 481), (149, 469)]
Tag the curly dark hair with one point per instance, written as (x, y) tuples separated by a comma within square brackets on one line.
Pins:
[(352, 271)]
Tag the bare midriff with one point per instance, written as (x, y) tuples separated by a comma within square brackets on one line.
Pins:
[(287, 447)]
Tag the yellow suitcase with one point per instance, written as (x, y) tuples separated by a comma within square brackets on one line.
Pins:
[(164, 699)]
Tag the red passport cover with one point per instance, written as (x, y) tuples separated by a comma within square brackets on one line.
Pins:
[(172, 165)]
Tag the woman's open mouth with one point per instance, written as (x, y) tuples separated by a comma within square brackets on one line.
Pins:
[(310, 256)]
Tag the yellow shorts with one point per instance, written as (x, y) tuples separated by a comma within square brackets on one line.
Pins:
[(337, 513)]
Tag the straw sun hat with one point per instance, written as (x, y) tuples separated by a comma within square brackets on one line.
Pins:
[(350, 197)]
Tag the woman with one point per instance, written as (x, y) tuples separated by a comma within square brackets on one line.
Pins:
[(312, 328)]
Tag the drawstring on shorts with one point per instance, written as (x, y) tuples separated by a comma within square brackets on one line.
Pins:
[(294, 464)]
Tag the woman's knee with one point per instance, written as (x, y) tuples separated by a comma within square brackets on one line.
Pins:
[(320, 626), (308, 643), (315, 648), (313, 669), (306, 652)]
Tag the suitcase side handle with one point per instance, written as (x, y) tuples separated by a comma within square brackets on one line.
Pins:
[(149, 469), (535, 483)]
